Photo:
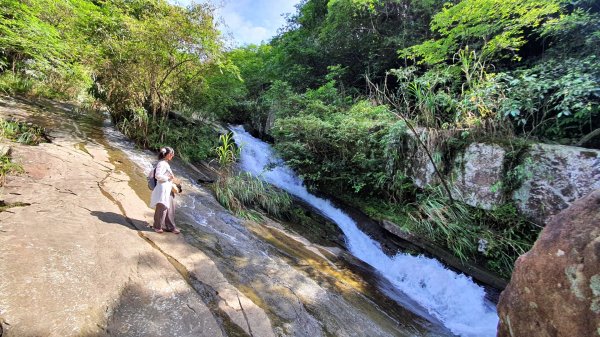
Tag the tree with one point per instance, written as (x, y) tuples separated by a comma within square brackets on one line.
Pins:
[(163, 50), (495, 28)]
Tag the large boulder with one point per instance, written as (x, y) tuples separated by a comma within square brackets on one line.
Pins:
[(554, 177), (478, 173), (555, 287)]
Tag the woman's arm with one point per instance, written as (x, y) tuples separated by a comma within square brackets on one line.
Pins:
[(163, 172)]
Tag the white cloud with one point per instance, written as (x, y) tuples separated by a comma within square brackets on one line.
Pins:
[(250, 21)]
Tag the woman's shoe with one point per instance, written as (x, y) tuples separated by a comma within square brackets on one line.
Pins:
[(176, 231), (158, 230)]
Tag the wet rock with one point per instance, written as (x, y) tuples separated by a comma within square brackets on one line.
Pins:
[(555, 288), (554, 177), (478, 174)]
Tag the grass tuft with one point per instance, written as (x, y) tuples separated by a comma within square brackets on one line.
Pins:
[(241, 192)]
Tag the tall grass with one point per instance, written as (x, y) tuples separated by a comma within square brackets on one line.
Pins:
[(494, 238), (227, 152), (241, 192), (12, 84)]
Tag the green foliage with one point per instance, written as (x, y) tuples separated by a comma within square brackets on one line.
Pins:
[(42, 43), (514, 168), (508, 235), (218, 96), (157, 53), (494, 238), (497, 28), (243, 191), (344, 150), (21, 132), (193, 142), (556, 98), (12, 84), (227, 152), (361, 36), (8, 167), (141, 58)]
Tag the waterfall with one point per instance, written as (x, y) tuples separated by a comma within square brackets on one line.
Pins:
[(452, 298)]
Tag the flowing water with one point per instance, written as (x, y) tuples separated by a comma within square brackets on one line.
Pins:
[(304, 289), (452, 298), (402, 295)]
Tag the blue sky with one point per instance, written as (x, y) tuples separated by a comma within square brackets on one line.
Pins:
[(251, 21)]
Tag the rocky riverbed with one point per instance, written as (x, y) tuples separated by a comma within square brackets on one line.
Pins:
[(79, 260)]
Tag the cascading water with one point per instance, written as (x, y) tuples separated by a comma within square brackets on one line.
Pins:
[(450, 297)]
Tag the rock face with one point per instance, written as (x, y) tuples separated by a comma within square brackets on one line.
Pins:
[(555, 176), (555, 288), (71, 263), (478, 174)]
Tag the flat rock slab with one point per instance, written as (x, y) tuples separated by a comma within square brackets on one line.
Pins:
[(72, 264)]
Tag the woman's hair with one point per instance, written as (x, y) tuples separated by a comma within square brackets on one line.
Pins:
[(162, 154)]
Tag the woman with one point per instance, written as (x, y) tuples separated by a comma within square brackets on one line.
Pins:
[(162, 197)]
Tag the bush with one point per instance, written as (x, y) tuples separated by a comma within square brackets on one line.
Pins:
[(340, 151), (12, 84), (193, 143), (557, 98), (25, 133)]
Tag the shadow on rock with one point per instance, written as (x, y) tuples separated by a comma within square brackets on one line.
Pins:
[(110, 217)]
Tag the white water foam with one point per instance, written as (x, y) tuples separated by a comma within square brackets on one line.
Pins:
[(452, 298)]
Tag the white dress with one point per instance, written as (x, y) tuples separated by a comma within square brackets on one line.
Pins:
[(161, 194)]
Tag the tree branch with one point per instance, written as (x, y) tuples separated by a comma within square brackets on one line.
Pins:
[(415, 133)]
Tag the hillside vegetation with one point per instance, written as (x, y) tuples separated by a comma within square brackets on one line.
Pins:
[(339, 90)]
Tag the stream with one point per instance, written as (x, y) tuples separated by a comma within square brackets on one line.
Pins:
[(310, 289), (328, 279), (452, 298)]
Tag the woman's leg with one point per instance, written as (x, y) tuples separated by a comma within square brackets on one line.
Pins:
[(170, 219), (160, 213)]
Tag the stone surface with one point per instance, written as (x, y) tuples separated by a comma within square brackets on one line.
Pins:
[(418, 165), (71, 264), (555, 288), (554, 177), (478, 175), (81, 260)]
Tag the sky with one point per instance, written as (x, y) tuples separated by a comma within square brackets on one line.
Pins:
[(250, 21)]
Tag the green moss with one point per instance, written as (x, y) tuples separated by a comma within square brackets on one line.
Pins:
[(5, 206), (452, 148), (595, 284), (575, 279), (515, 167)]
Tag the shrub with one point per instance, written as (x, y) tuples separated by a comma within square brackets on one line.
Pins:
[(12, 84), (8, 167), (21, 132)]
